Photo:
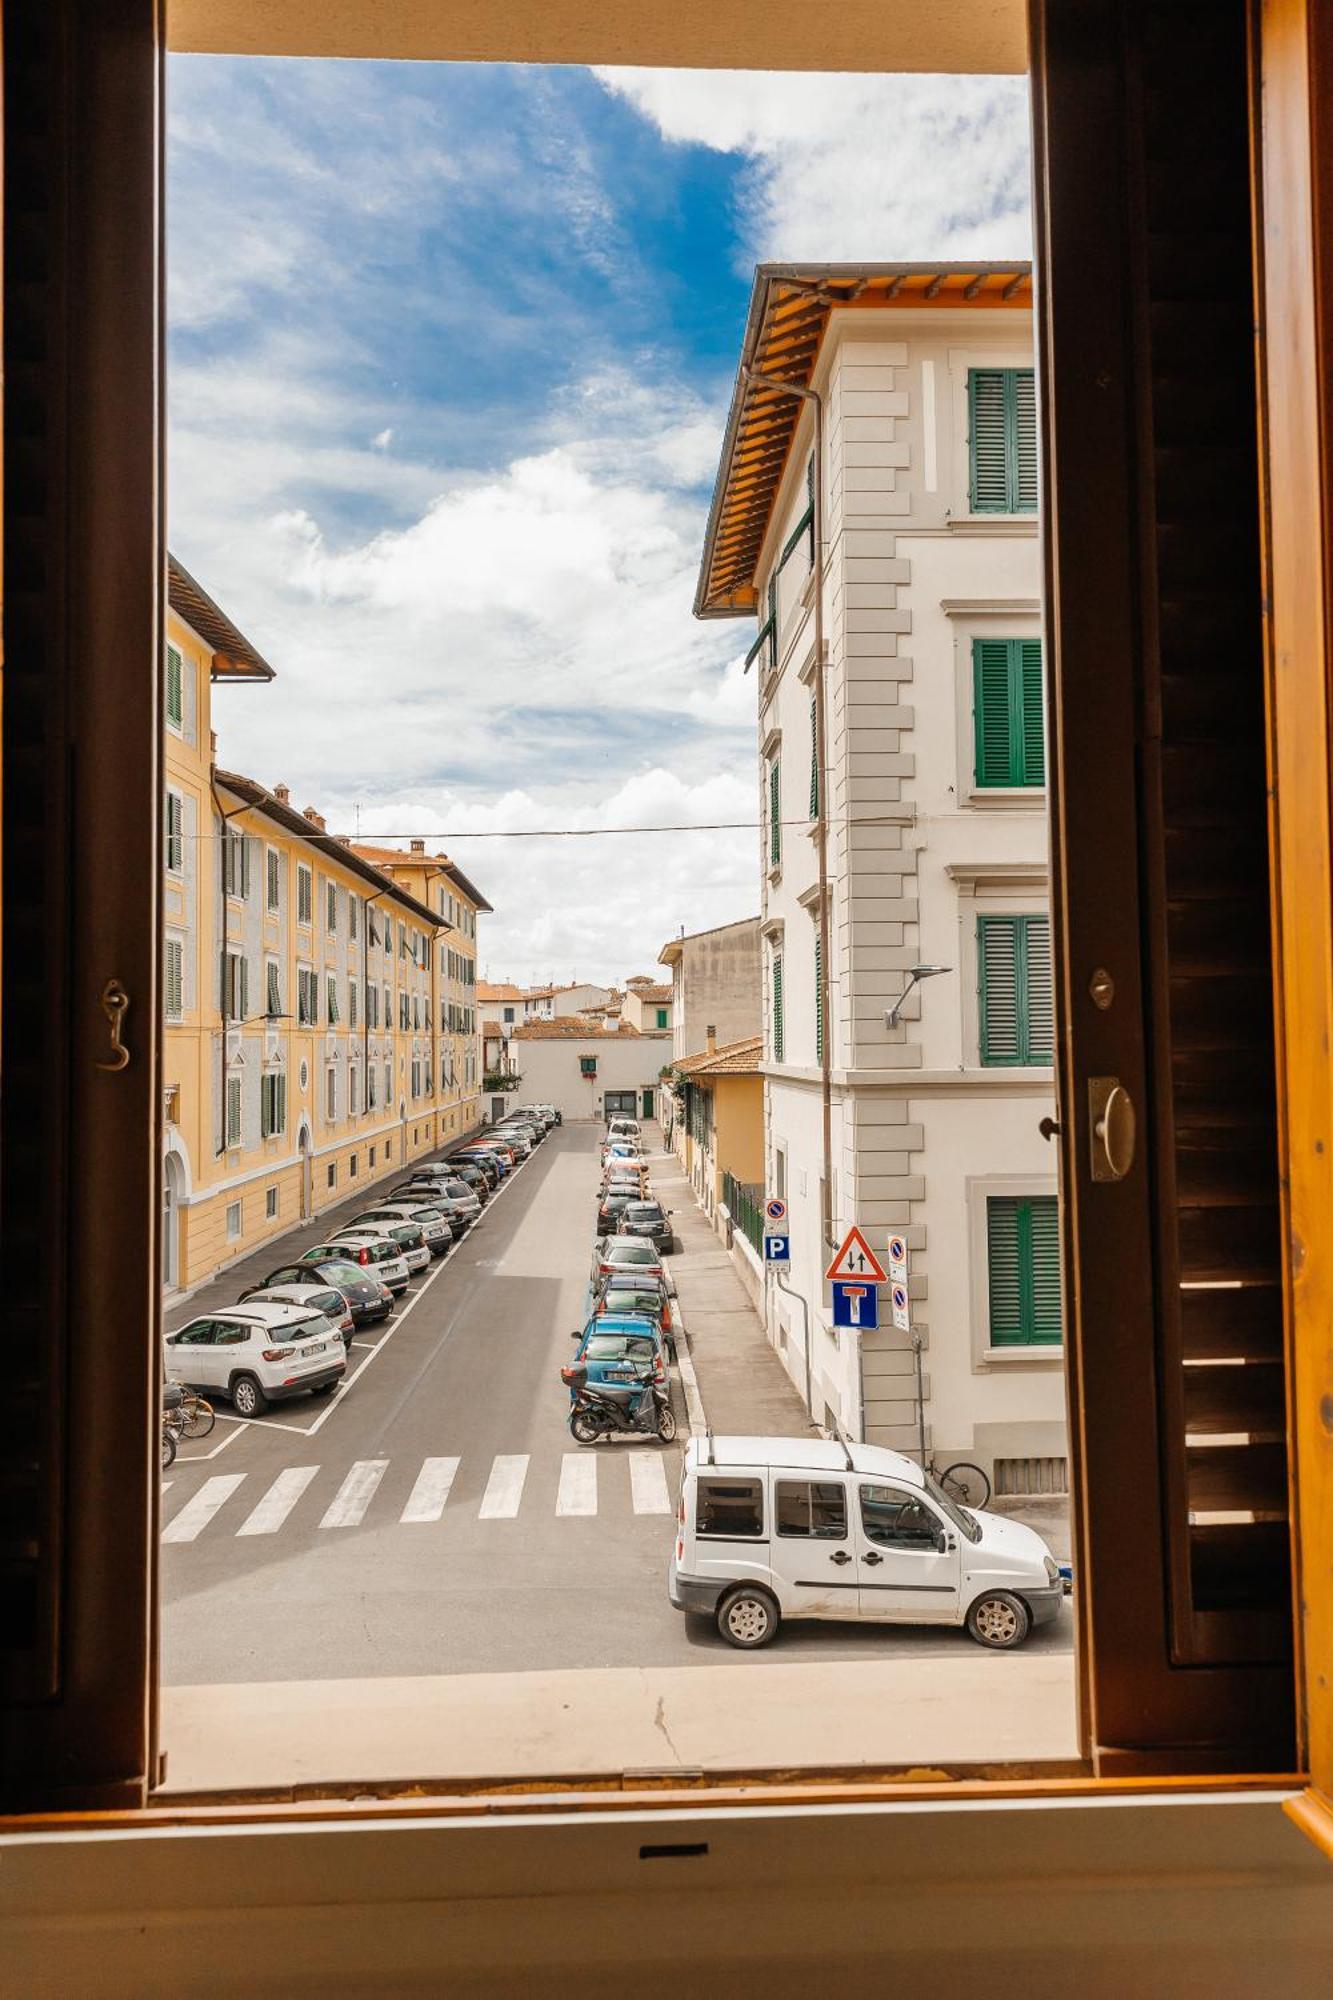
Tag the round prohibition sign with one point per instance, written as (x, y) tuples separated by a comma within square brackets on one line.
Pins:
[(775, 1211)]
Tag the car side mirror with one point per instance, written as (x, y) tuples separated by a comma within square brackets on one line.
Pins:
[(576, 1335)]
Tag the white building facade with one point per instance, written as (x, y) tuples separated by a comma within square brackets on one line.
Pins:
[(933, 781)]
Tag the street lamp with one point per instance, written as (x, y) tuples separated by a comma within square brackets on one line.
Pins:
[(914, 978)]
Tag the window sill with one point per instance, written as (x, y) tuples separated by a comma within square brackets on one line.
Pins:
[(1006, 797), (993, 524), (1020, 1357)]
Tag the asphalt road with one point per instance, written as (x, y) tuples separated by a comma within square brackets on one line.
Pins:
[(435, 1516)]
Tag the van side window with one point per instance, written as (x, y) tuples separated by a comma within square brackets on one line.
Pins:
[(730, 1509), (819, 1508), (890, 1516)]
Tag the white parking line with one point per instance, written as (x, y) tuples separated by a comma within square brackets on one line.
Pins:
[(278, 1502), (196, 1514), (353, 1497), (648, 1485), (427, 1498), (577, 1493), (504, 1488)]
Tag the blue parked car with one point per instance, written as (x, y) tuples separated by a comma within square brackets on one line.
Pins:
[(617, 1349)]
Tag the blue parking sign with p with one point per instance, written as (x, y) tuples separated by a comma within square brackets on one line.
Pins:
[(777, 1249)]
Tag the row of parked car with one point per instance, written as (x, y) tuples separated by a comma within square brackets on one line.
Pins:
[(289, 1335), (631, 1322)]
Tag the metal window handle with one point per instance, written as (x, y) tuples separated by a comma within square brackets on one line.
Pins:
[(840, 1556), (115, 1005), (1113, 1128), (872, 1558)]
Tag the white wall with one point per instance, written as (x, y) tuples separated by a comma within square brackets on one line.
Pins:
[(550, 1069)]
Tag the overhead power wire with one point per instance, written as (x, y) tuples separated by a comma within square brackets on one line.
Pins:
[(600, 832)]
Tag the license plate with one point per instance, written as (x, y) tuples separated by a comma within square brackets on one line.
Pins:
[(620, 1375)]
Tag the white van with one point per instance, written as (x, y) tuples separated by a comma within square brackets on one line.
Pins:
[(773, 1528)]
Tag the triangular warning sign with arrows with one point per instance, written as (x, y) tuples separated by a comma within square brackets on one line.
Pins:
[(856, 1259)]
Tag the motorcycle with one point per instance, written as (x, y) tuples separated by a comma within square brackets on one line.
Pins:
[(600, 1410)]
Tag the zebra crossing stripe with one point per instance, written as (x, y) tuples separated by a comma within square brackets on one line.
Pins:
[(353, 1497), (426, 1500), (196, 1514), (504, 1488), (277, 1503), (577, 1493), (648, 1485)]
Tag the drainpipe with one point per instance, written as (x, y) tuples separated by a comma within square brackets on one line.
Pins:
[(365, 996), (816, 401), (805, 1315)]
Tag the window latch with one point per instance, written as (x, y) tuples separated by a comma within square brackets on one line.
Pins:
[(1049, 1128), (115, 1005)]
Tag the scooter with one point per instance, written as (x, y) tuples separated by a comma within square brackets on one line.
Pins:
[(601, 1411)]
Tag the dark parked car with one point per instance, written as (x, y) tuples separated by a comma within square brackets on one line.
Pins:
[(610, 1207), (650, 1219), (469, 1171), (367, 1297)]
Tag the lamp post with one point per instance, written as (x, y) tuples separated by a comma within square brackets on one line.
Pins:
[(917, 974)]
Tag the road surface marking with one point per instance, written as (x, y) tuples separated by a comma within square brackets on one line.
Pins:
[(427, 1498), (278, 1502), (504, 1488), (197, 1513), (648, 1486), (353, 1497), (578, 1484)]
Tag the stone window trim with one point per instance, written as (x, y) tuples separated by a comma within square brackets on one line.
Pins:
[(996, 352), (977, 1190), (1002, 888), (993, 618)]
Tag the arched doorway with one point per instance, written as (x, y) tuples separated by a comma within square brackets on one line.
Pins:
[(173, 1187), (306, 1151)]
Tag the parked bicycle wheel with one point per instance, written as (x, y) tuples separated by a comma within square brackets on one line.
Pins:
[(197, 1417), (967, 1484), (168, 1448)]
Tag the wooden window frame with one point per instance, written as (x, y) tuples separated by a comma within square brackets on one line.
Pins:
[(108, 1743)]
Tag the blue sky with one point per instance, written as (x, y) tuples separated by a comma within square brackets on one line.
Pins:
[(450, 353)]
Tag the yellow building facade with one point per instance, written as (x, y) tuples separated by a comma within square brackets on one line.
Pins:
[(721, 1126), (316, 1040)]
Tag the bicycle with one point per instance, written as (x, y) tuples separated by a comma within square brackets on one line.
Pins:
[(196, 1417), (168, 1444), (964, 1482)]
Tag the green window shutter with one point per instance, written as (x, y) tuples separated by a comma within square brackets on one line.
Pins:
[(174, 976), (175, 687), (779, 1026), (1023, 441), (814, 757), (1002, 1027), (992, 710), (1031, 705), (1007, 711), (1023, 1271), (775, 813), (1002, 440), (243, 1013), (175, 832), (1014, 988), (819, 998)]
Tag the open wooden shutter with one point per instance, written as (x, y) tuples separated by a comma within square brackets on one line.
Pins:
[(992, 711), (987, 441), (1160, 879), (1000, 992), (1032, 706), (1023, 441)]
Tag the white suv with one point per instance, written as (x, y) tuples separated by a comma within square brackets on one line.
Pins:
[(383, 1233), (257, 1354), (432, 1222), (388, 1259)]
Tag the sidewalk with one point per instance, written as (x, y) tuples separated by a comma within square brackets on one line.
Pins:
[(744, 1387)]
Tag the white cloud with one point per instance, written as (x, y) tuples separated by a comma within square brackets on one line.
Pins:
[(855, 167), (382, 439)]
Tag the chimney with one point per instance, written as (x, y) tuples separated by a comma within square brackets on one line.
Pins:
[(710, 1035), (418, 847), (282, 795), (316, 819)]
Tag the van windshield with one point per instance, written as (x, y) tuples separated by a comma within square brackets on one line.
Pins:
[(966, 1523)]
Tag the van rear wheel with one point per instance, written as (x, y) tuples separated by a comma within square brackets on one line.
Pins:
[(999, 1620), (747, 1617)]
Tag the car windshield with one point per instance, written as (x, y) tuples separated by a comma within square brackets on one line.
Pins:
[(341, 1274), (646, 1211), (632, 1302), (964, 1521), (633, 1253), (619, 1346)]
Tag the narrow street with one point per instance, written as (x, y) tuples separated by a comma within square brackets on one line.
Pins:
[(435, 1517)]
